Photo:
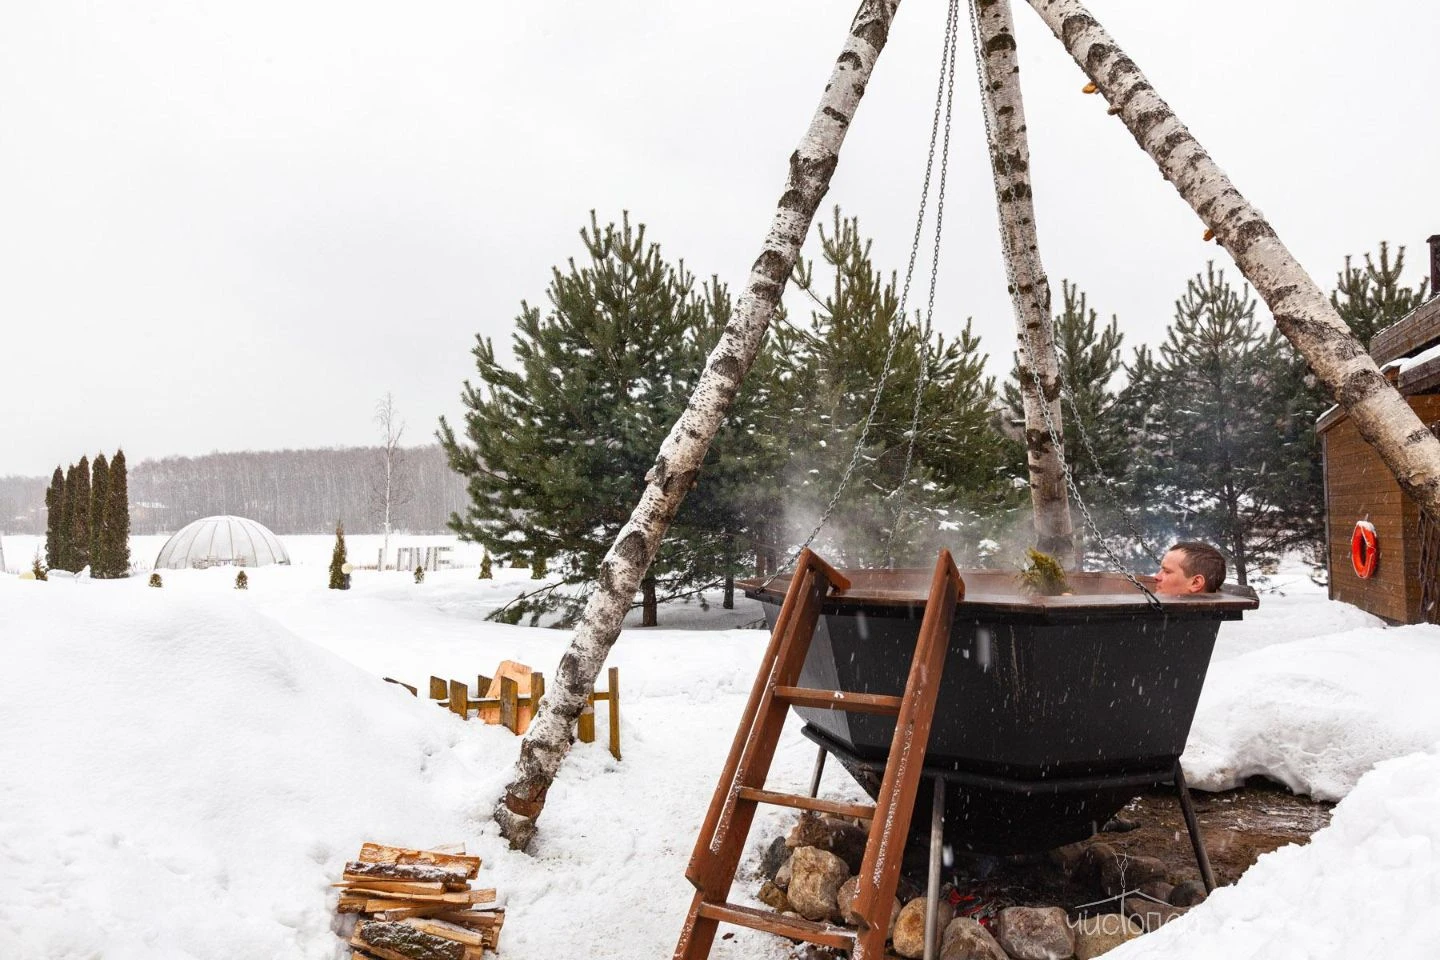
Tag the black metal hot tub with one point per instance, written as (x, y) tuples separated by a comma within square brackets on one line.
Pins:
[(1053, 711)]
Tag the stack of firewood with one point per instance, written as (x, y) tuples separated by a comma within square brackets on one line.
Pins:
[(418, 905)]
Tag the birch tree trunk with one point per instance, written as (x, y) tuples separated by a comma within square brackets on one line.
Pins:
[(1302, 312), (680, 457), (1039, 367)]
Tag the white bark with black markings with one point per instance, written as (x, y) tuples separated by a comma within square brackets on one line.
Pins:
[(676, 467), (1039, 367), (1302, 312)]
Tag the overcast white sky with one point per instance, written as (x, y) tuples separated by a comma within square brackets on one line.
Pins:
[(236, 225)]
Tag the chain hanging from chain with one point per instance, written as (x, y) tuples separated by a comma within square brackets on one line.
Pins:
[(947, 83), (942, 107), (1029, 350)]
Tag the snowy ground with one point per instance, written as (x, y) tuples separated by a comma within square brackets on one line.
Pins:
[(187, 769)]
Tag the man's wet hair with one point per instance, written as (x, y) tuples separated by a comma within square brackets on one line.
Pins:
[(1203, 559)]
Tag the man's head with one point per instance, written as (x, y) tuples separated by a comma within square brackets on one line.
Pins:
[(1190, 567)]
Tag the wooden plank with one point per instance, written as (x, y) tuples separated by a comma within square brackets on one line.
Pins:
[(469, 866), (410, 872), (396, 941), (858, 810), (463, 897), (459, 699), (509, 709), (585, 725), (439, 689), (446, 931), (1417, 330), (615, 712), (407, 887), (796, 928), (414, 692), (880, 869), (839, 700)]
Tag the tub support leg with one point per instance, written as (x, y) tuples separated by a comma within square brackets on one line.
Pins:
[(1193, 825), (819, 769), (932, 887)]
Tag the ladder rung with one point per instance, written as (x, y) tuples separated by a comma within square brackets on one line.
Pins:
[(862, 810), (825, 934), (839, 700)]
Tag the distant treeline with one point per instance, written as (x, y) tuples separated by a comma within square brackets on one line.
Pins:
[(290, 491)]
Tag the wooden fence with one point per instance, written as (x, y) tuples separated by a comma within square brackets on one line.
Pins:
[(503, 701)]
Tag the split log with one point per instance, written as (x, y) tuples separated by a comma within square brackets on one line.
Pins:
[(379, 853), (447, 931), (405, 899), (406, 887), (409, 872), (398, 941)]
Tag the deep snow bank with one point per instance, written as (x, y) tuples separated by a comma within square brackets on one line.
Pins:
[(182, 779), (1316, 714), (1368, 885)]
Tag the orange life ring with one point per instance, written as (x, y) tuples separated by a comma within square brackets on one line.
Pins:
[(1364, 550)]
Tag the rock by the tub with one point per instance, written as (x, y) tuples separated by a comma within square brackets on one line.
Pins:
[(1072, 860), (965, 939), (833, 834), (1188, 894), (1151, 914), (1035, 933), (815, 878), (772, 859), (1121, 874), (845, 898), (1093, 861), (782, 876), (1158, 889), (908, 937), (773, 897), (1100, 934)]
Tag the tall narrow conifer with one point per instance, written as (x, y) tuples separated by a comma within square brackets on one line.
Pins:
[(337, 559), (99, 491), (79, 539), (54, 520), (117, 519)]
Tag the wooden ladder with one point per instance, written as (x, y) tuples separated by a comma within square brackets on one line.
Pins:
[(742, 784)]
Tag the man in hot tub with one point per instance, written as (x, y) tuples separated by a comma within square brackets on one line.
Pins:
[(1190, 567)]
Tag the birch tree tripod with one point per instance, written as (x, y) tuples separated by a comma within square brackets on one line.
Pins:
[(1302, 313)]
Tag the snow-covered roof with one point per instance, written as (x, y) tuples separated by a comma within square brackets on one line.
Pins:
[(216, 541)]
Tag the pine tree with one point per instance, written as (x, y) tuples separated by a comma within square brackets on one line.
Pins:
[(100, 566), (419, 574), (55, 525), (117, 519), (830, 371), (67, 520), (242, 581), (1371, 299), (37, 569), (485, 572), (1209, 441), (556, 449), (337, 559), (79, 496), (155, 580)]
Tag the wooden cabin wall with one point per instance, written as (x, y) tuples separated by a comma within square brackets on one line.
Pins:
[(1358, 486)]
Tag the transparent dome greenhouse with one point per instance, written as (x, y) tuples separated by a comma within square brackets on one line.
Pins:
[(221, 541)]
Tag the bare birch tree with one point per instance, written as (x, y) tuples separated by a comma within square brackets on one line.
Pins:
[(1039, 367), (678, 464), (1302, 312), (390, 488)]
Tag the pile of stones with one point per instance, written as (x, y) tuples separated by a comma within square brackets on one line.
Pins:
[(811, 871)]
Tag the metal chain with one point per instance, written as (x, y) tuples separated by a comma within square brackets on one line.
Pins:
[(1028, 349), (947, 80), (947, 56)]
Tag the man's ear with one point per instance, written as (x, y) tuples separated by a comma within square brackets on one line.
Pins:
[(1197, 583)]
